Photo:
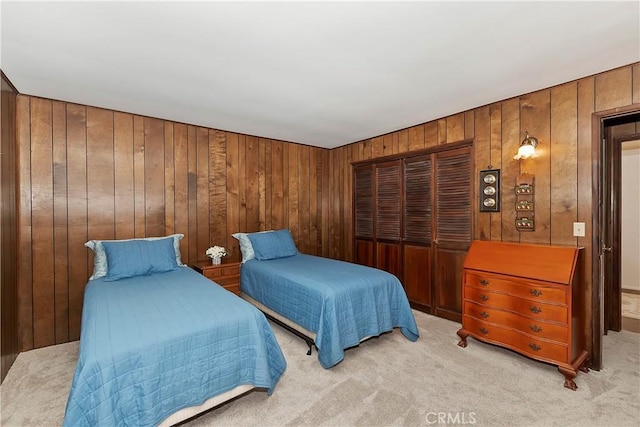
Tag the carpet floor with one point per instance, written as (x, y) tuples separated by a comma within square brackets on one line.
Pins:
[(386, 381)]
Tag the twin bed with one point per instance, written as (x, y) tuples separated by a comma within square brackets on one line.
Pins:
[(334, 304), (155, 345), (163, 345)]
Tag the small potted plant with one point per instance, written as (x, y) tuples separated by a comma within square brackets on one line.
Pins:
[(216, 253)]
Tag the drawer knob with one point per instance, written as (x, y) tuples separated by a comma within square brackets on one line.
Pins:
[(484, 330), (535, 328), (534, 347), (535, 309), (484, 314), (484, 282), (484, 298), (535, 292)]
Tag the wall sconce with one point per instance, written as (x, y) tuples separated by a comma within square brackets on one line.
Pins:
[(527, 148)]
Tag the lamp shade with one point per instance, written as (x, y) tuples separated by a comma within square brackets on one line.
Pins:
[(527, 148)]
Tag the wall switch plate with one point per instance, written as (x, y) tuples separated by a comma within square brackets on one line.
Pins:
[(578, 229)]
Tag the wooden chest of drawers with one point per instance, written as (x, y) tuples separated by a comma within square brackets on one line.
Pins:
[(528, 298), (226, 274)]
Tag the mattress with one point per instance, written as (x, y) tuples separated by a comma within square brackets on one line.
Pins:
[(340, 302), (153, 345)]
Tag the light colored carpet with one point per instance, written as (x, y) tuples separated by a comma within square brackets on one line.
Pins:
[(387, 381)]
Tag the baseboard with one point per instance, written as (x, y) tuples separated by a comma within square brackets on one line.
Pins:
[(630, 324)]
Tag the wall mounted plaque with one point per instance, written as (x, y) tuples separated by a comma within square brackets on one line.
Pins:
[(490, 190), (525, 202)]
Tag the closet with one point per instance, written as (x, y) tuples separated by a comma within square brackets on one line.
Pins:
[(412, 218)]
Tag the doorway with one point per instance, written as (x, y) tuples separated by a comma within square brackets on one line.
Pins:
[(630, 233), (611, 130)]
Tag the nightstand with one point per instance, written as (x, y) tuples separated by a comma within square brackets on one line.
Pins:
[(226, 274)]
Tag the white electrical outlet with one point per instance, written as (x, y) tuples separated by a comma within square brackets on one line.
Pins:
[(578, 229)]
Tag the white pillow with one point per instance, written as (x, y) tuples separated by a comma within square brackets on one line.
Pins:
[(100, 267), (246, 248)]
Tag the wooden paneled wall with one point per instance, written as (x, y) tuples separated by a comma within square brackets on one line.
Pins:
[(9, 344), (560, 117), (90, 173)]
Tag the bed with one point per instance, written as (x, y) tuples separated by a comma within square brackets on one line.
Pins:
[(156, 349), (334, 304)]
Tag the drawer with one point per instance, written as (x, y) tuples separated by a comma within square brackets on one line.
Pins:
[(233, 287), (537, 291), (226, 281), (526, 307), (225, 270), (522, 343), (533, 327)]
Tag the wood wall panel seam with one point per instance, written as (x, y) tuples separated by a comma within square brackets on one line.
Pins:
[(495, 113), (25, 272), (42, 223), (169, 182), (60, 238)]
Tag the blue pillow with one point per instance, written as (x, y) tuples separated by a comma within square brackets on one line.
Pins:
[(277, 244), (100, 267), (245, 245), (139, 258)]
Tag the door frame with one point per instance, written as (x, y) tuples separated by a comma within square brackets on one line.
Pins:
[(598, 193)]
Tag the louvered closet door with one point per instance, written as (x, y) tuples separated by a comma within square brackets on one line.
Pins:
[(452, 171), (417, 234), (388, 217), (412, 217), (363, 214)]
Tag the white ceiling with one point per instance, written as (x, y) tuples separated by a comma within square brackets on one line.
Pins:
[(318, 73)]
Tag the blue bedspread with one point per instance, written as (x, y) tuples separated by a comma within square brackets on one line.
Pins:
[(152, 345), (340, 302)]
